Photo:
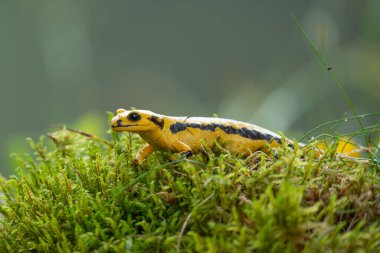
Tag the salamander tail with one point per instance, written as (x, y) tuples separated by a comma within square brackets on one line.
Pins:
[(345, 147)]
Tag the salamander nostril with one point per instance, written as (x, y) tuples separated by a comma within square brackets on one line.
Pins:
[(119, 122)]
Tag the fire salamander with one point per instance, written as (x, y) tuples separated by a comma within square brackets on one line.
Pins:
[(187, 135)]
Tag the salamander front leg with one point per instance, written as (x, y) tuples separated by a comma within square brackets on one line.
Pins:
[(143, 153), (184, 150), (186, 154)]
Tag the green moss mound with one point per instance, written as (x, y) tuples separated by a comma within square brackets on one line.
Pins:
[(82, 195)]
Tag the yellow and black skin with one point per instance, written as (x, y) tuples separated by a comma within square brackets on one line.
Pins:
[(188, 135)]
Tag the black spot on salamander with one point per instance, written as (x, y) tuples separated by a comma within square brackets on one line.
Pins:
[(158, 121), (177, 127), (244, 132)]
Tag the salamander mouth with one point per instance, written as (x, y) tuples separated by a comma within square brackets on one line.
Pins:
[(121, 125)]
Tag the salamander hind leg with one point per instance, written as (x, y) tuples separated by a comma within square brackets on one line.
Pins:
[(143, 153)]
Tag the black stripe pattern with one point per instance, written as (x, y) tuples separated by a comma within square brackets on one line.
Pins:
[(158, 121), (244, 132)]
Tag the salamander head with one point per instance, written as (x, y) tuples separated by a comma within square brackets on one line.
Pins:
[(136, 121)]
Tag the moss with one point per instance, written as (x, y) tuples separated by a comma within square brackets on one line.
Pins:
[(84, 195)]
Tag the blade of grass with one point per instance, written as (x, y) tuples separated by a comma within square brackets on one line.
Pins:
[(331, 73), (336, 121), (90, 136)]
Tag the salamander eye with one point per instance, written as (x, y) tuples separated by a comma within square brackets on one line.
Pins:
[(134, 116)]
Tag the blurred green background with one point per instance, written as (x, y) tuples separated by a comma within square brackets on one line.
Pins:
[(69, 61)]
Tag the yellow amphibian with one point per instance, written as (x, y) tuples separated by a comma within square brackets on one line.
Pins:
[(188, 135)]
